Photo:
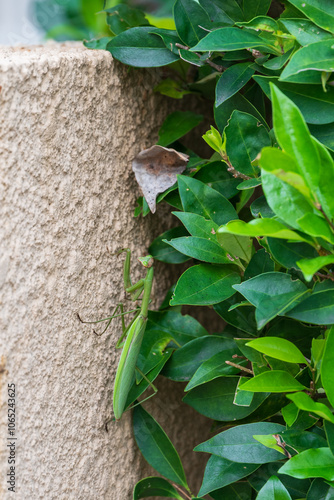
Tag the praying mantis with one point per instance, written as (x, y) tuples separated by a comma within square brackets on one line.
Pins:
[(133, 334)]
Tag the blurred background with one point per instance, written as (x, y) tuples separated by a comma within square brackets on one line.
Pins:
[(25, 22)]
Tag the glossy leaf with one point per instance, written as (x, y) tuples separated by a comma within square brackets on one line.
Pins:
[(272, 294), (245, 137), (198, 225), (238, 445), (242, 318), (272, 381), (260, 227), (305, 31), (155, 486), (327, 374), (200, 248), (122, 17), (201, 199), (228, 39), (316, 105), (182, 328), (190, 357), (321, 12), (253, 8), (278, 348), (290, 413), (237, 246), (320, 490), (310, 266), (277, 193), (317, 309), (215, 400), (298, 488), (305, 403), (189, 16), (260, 263), (156, 447), (165, 253), (311, 463), (220, 472), (176, 125), (317, 56), (237, 491), (216, 176), (232, 80), (236, 102), (205, 284), (139, 47), (273, 490), (215, 367), (288, 254)]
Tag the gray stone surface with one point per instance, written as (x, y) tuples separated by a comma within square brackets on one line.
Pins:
[(71, 120)]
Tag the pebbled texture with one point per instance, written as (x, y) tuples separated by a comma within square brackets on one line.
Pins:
[(71, 121)]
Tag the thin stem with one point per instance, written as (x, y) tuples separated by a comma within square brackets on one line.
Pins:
[(217, 67), (230, 363), (325, 276), (180, 490)]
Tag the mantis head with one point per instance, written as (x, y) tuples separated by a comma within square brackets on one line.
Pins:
[(146, 261)]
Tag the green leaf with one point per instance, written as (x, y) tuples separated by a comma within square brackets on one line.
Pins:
[(228, 39), (237, 246), (245, 137), (327, 374), (239, 102), (165, 253), (316, 105), (181, 328), (200, 248), (171, 88), (305, 403), (176, 125), (290, 414), (286, 201), (139, 47), (294, 137), (272, 381), (155, 486), (272, 294), (287, 254), (189, 16), (122, 17), (273, 490), (317, 56), (321, 12), (156, 447), (317, 309), (205, 284), (99, 44), (186, 360), (329, 429), (324, 134), (216, 176), (220, 472), (238, 445), (277, 63), (201, 199), (253, 8), (237, 491), (326, 179), (215, 400), (278, 348), (261, 263), (311, 463), (260, 227), (242, 318), (232, 80), (310, 266), (250, 183), (305, 31), (215, 367), (320, 491), (198, 225), (316, 227), (297, 488), (222, 13)]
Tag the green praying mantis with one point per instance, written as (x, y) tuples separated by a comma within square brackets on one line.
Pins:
[(133, 334)]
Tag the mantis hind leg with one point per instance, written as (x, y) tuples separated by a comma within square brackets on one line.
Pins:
[(109, 319)]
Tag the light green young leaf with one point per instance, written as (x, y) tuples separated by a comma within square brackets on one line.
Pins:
[(290, 414), (278, 348), (305, 403), (310, 463), (272, 381), (310, 266), (260, 227), (316, 226), (327, 372)]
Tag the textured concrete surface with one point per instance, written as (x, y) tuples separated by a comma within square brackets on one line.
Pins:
[(71, 120)]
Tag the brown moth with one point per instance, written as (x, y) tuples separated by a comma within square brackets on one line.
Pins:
[(156, 169)]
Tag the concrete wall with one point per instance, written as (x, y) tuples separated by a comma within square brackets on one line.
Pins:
[(71, 120)]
